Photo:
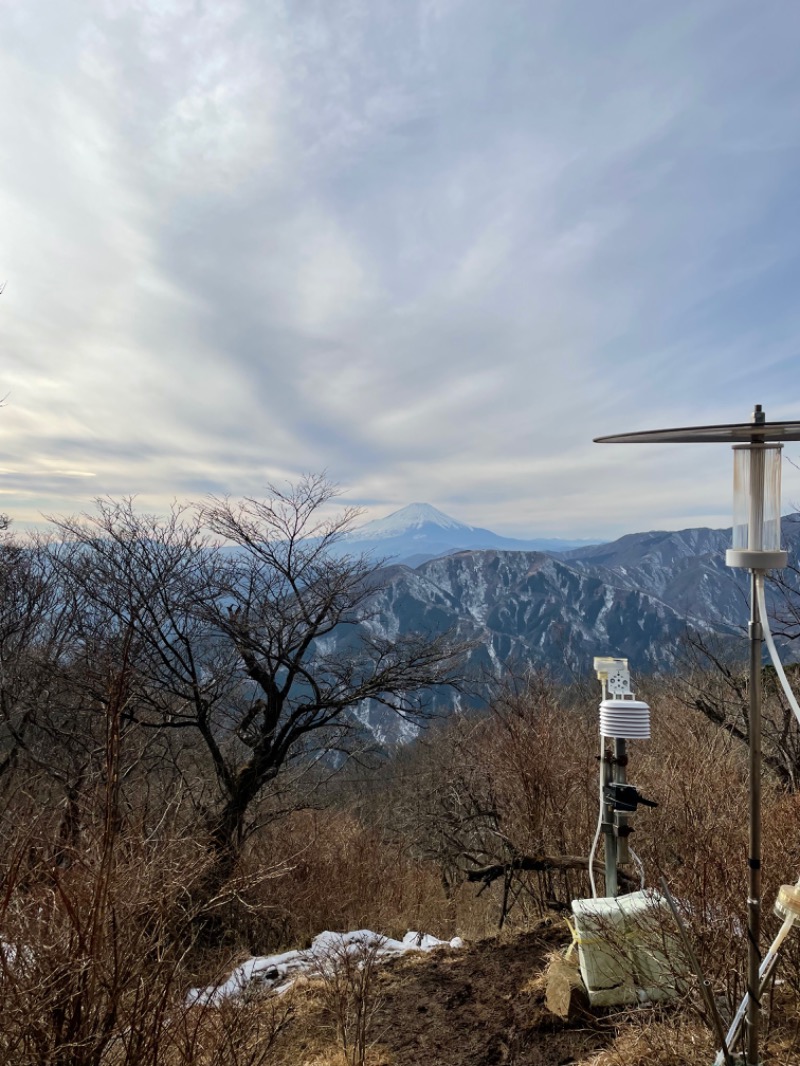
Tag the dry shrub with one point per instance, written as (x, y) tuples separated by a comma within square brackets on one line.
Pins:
[(96, 944), (542, 760), (91, 963), (646, 1040), (327, 870), (348, 979), (236, 1033), (488, 794), (697, 838)]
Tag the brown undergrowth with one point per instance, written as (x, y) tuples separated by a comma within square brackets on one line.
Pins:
[(103, 925), (473, 1006)]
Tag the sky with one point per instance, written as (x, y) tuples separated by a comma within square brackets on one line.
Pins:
[(432, 247)]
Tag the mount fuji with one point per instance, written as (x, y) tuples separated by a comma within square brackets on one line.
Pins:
[(420, 532)]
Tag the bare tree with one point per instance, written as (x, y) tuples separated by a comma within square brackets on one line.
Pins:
[(258, 644), (37, 632), (296, 614), (715, 683)]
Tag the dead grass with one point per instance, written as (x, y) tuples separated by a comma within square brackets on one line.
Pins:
[(474, 1006), (650, 1042), (103, 927)]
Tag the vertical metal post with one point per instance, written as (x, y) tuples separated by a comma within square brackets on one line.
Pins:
[(610, 849), (621, 775), (754, 858)]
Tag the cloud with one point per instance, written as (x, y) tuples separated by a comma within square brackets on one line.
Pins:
[(433, 248)]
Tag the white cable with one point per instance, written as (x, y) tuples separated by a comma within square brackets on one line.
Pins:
[(639, 866), (600, 818), (773, 654)]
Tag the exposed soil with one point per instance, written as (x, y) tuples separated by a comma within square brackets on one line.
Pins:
[(480, 1006), (476, 1006)]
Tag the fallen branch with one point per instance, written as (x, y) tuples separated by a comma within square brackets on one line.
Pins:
[(488, 874)]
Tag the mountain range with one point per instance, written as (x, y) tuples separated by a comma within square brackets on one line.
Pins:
[(420, 532), (634, 597)]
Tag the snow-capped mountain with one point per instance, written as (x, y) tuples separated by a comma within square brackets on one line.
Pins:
[(420, 532), (416, 516), (636, 597)]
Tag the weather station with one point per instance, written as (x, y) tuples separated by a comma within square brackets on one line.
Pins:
[(613, 933), (756, 547)]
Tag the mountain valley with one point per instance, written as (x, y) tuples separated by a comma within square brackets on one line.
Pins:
[(636, 597)]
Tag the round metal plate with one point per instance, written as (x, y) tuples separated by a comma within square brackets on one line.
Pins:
[(730, 434)]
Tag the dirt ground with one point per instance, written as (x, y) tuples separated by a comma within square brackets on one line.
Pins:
[(476, 1006), (480, 1006), (484, 1005)]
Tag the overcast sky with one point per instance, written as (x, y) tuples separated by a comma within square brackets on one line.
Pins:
[(433, 248)]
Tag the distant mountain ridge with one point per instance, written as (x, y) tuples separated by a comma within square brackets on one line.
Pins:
[(636, 597), (420, 532)]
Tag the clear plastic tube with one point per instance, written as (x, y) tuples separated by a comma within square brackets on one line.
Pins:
[(757, 497)]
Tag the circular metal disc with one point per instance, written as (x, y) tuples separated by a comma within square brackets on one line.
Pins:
[(730, 434)]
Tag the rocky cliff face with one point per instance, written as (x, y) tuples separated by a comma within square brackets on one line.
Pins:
[(532, 608), (635, 597)]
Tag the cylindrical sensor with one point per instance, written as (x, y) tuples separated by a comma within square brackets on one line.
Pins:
[(787, 905), (757, 507), (625, 719)]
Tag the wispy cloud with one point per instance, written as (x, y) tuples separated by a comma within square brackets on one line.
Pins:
[(433, 248)]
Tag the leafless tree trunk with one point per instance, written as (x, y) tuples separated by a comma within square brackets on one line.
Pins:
[(254, 642)]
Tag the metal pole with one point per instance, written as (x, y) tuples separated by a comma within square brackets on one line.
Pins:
[(621, 775), (610, 842), (754, 859), (705, 986)]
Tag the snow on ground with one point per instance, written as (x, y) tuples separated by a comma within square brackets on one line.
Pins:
[(277, 973)]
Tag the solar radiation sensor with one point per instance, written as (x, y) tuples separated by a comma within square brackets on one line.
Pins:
[(756, 480)]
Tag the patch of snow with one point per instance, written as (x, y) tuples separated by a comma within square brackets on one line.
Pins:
[(493, 656), (277, 973), (424, 942), (407, 730)]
